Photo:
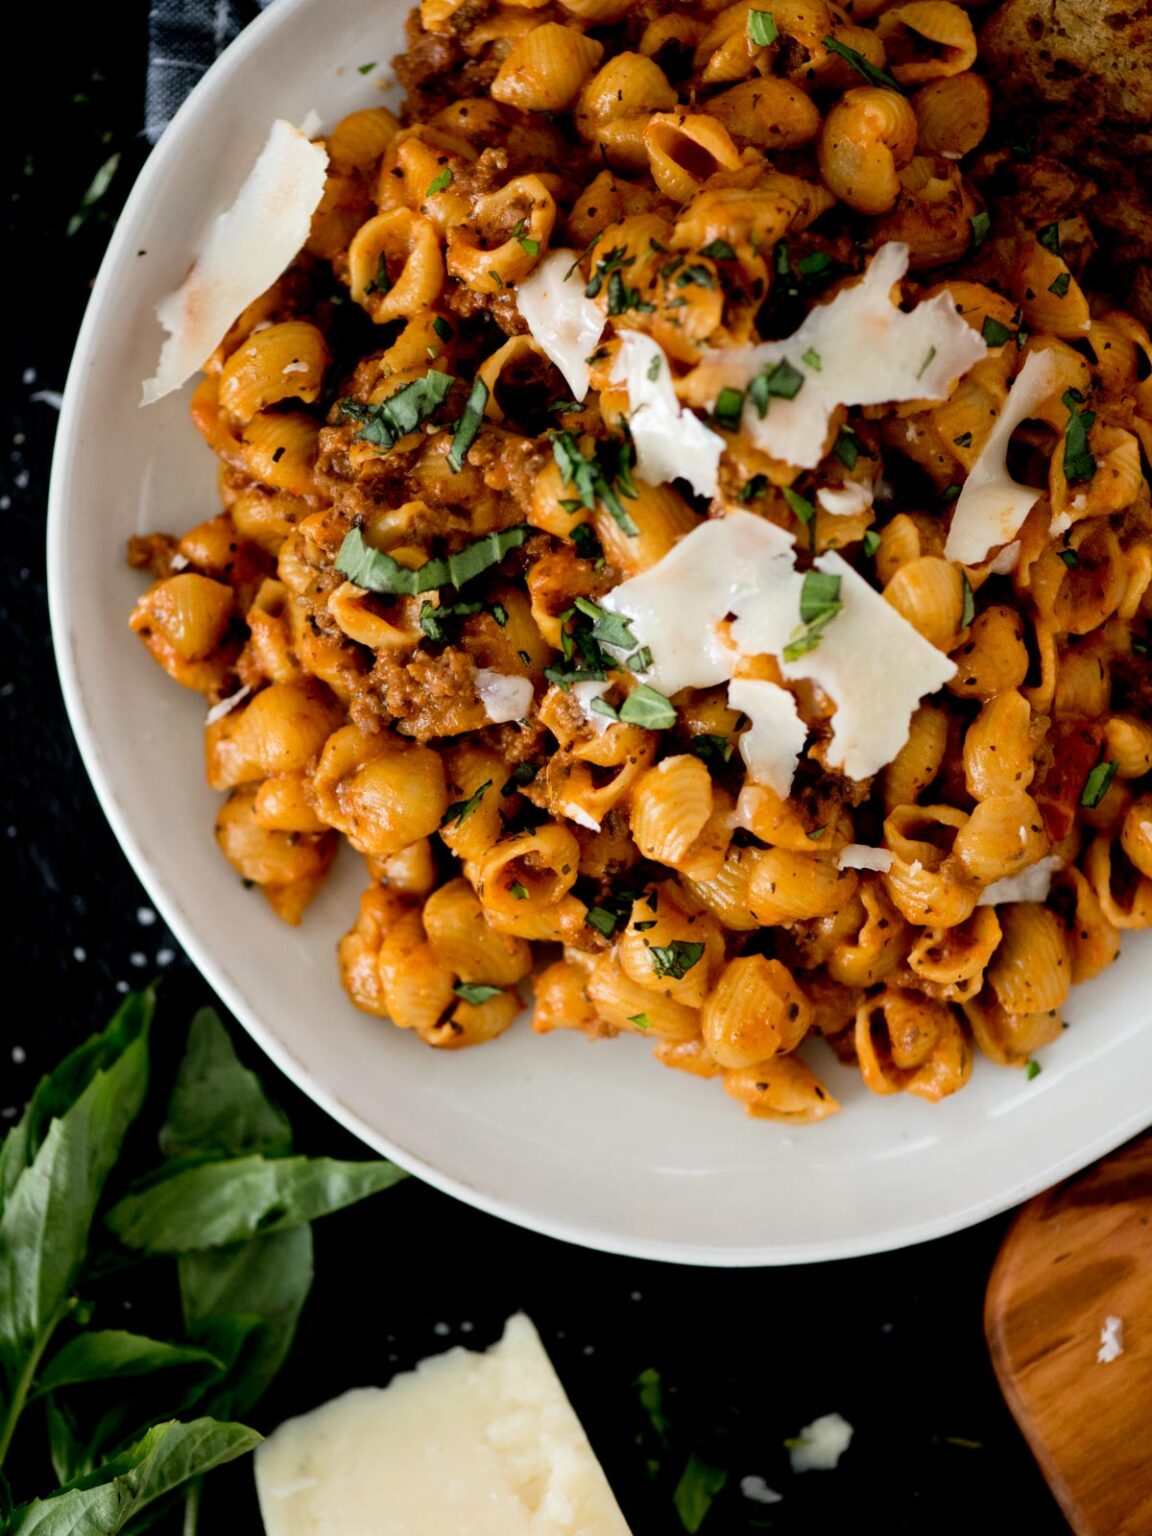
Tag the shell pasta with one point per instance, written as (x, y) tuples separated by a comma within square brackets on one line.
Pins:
[(685, 524)]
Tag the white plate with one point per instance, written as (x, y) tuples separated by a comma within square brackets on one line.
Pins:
[(594, 1143)]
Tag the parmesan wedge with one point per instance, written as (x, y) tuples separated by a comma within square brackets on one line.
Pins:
[(859, 349), (465, 1445), (564, 323), (244, 252), (992, 506)]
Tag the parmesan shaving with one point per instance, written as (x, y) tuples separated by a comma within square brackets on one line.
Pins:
[(845, 500), (584, 693), (670, 441), (226, 706), (992, 506), (772, 745), (819, 1445), (1111, 1341), (504, 698), (859, 349), (1031, 884), (243, 253), (860, 856), (564, 323)]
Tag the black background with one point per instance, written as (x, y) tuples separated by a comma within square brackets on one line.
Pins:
[(894, 1343)]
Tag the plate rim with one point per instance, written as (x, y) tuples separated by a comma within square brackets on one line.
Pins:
[(60, 497)]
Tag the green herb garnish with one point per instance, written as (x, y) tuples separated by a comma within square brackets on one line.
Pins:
[(781, 380), (861, 65), (762, 28), (980, 224), (644, 706), (460, 810), (968, 613), (819, 605), (871, 541), (377, 572), (1033, 1069), (1097, 785), (1060, 285), (1049, 238), (1079, 463), (476, 992), (676, 958), (386, 423), (729, 408), (994, 333), (441, 182), (468, 427)]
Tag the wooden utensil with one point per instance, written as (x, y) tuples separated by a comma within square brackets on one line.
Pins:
[(1074, 1256)]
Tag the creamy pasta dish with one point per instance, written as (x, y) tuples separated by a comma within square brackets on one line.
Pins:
[(686, 526)]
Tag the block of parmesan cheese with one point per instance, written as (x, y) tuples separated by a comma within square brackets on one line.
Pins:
[(465, 1445)]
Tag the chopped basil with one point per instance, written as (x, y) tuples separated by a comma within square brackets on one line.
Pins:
[(780, 379), (386, 423), (994, 333), (654, 368), (594, 480), (697, 276), (1079, 463), (847, 447), (753, 489), (468, 426), (640, 660), (712, 750), (611, 262), (604, 921), (927, 362), (762, 28), (871, 542), (586, 542), (641, 1020), (814, 265), (522, 774), (366, 69), (1070, 558), (1033, 1069), (720, 250), (529, 246), (460, 810), (1049, 238), (499, 614), (381, 282), (517, 891), (621, 298), (434, 621), (495, 276), (819, 605), (861, 65), (729, 408), (803, 509), (1097, 785), (1060, 285), (676, 958), (644, 706), (377, 572), (949, 494), (601, 706), (476, 992), (964, 440), (608, 628), (443, 180), (968, 612), (980, 224), (442, 328), (812, 358)]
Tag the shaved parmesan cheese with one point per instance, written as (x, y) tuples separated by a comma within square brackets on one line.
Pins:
[(873, 664), (860, 856), (467, 1444), (857, 350), (1031, 884), (584, 693), (757, 1489), (244, 252), (1111, 1341), (504, 698), (819, 1445), (1006, 561), (564, 323), (225, 706), (992, 507), (772, 745), (845, 500), (876, 667), (670, 441)]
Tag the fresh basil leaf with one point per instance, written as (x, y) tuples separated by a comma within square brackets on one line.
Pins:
[(1097, 785), (847, 447), (719, 250), (441, 182), (1049, 238), (1060, 285), (242, 1304), (612, 261), (102, 1356), (861, 65), (460, 810), (468, 427), (218, 1107), (476, 992), (105, 1500), (819, 605), (728, 409), (45, 1226), (377, 572), (872, 541), (608, 628), (386, 422), (602, 920), (762, 29), (994, 333), (780, 379), (676, 958), (221, 1203), (1079, 461), (980, 224), (698, 1486), (969, 610), (801, 507), (70, 1459), (645, 706), (714, 751)]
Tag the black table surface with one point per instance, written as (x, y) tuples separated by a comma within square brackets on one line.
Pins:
[(893, 1342)]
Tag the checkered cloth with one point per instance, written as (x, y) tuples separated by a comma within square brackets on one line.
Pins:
[(184, 36)]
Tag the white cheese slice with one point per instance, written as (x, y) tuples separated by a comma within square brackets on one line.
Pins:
[(670, 441), (875, 667), (845, 500), (819, 1445), (869, 659), (992, 506), (860, 856), (225, 706), (1111, 1341), (584, 693), (503, 697), (465, 1445), (564, 323), (244, 252), (859, 349), (772, 744), (1031, 884)]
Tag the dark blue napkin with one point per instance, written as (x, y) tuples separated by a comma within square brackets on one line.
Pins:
[(184, 36)]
